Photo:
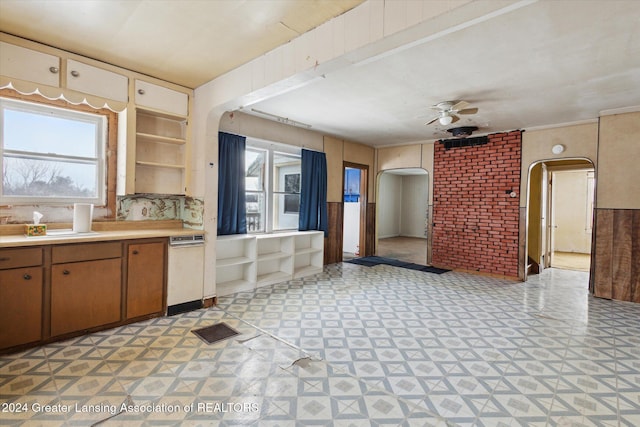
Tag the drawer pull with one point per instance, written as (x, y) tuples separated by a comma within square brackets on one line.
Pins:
[(66, 272), (135, 252), (54, 70), (6, 258), (141, 91), (75, 73), (27, 277)]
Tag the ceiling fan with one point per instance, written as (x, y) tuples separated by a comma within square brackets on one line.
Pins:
[(448, 112)]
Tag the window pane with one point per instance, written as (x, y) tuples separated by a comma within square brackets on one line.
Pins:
[(286, 173), (38, 132), (48, 178), (255, 211), (254, 170), (286, 208)]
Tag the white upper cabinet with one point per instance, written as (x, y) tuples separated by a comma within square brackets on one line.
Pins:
[(26, 64), (96, 81), (42, 68), (161, 98)]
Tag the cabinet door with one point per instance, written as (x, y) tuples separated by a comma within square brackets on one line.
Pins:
[(20, 306), (161, 98), (85, 294), (145, 278), (96, 81), (26, 64)]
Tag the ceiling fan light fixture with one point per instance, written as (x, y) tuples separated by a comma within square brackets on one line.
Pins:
[(445, 120)]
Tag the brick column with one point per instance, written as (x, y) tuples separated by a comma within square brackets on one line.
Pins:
[(475, 219)]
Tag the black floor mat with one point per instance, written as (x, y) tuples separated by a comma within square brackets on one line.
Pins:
[(370, 261), (214, 333)]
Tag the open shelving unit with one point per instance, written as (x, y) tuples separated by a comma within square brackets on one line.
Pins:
[(161, 145), (309, 254), (274, 256), (235, 264), (245, 262)]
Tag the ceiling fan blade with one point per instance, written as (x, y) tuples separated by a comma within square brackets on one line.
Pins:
[(460, 105), (467, 111), (432, 120), (454, 118)]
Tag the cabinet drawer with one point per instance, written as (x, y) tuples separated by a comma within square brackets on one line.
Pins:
[(22, 257), (85, 252), (26, 64), (96, 81), (161, 98)]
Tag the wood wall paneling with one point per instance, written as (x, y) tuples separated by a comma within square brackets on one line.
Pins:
[(370, 247), (635, 257), (333, 243), (603, 248), (621, 256), (616, 255)]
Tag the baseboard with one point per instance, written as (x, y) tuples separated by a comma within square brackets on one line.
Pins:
[(172, 310)]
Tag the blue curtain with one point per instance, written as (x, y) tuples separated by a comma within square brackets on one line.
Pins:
[(232, 217), (313, 192)]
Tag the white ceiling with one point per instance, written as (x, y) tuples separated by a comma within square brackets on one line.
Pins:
[(188, 42), (540, 64)]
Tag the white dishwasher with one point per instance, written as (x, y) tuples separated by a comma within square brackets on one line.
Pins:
[(185, 275)]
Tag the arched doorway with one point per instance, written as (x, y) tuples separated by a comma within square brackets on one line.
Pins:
[(402, 215), (560, 215)]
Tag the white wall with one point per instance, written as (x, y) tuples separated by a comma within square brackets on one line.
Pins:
[(351, 227), (389, 205), (414, 205), (571, 211), (402, 205)]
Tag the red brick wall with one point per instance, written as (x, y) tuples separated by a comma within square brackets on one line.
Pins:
[(475, 221)]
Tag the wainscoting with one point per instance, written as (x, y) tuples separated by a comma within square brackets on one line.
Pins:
[(333, 243), (615, 268)]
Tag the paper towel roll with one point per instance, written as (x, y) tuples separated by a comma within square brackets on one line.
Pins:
[(82, 215)]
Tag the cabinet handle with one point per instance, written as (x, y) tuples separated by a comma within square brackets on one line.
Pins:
[(135, 252), (27, 277), (75, 73), (54, 70), (5, 258), (141, 91), (66, 272)]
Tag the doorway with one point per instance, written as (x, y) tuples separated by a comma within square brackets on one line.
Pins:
[(571, 212), (560, 217), (354, 204), (403, 206)]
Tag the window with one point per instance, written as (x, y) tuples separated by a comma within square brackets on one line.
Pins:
[(272, 180), (51, 154), (255, 162)]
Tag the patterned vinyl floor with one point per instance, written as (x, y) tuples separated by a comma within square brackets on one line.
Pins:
[(353, 346)]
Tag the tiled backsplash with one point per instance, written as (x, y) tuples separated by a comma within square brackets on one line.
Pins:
[(149, 207), (128, 208)]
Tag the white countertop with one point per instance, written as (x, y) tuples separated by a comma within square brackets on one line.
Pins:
[(11, 241)]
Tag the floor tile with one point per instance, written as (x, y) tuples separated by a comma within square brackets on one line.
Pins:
[(355, 346)]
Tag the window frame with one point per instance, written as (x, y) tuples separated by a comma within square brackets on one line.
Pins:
[(271, 148), (106, 151)]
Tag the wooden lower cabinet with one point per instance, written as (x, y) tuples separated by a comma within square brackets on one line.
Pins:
[(146, 266), (52, 292), (85, 295), (20, 306)]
